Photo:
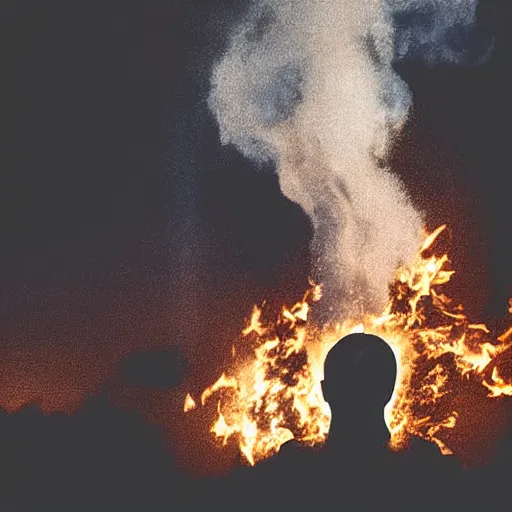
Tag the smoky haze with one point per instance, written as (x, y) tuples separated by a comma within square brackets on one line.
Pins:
[(310, 87)]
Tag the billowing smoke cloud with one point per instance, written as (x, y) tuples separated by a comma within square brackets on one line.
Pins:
[(309, 85)]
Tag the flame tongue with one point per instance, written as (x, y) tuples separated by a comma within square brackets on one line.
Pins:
[(189, 404), (275, 395), (272, 399)]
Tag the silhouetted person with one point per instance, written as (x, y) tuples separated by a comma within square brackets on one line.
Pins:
[(356, 462), (359, 378)]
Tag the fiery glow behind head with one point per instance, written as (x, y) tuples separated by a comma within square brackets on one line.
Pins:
[(273, 393)]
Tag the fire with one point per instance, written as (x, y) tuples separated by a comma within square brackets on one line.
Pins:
[(189, 404), (274, 394), (499, 386)]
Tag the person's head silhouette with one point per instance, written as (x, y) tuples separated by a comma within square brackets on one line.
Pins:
[(359, 379)]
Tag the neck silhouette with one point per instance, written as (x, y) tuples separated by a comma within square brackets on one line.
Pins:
[(362, 431)]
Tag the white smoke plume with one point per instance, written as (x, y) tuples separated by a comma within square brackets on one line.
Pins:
[(309, 85)]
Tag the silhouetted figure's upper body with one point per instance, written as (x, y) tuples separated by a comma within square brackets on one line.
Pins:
[(356, 463), (359, 378)]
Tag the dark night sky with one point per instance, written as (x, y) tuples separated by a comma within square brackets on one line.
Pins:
[(122, 219)]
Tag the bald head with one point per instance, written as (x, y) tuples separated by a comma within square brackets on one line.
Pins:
[(360, 370)]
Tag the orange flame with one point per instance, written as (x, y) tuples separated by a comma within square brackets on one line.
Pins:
[(275, 395), (189, 404), (499, 386)]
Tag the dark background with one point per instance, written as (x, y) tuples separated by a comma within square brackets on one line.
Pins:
[(125, 226)]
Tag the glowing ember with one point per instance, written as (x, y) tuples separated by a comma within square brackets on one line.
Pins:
[(275, 395), (189, 404)]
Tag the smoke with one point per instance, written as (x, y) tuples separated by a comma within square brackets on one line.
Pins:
[(310, 87), (438, 31)]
